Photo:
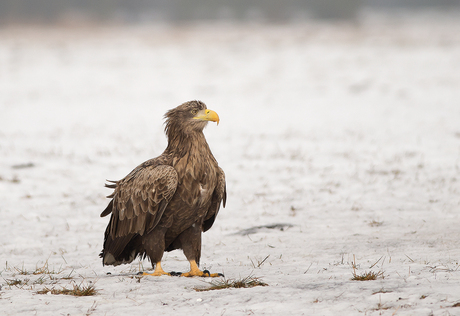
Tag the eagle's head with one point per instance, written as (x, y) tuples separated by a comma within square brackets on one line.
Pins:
[(189, 117)]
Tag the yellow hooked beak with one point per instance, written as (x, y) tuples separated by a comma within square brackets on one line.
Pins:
[(207, 115)]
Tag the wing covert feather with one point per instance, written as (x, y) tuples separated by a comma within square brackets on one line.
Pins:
[(140, 199)]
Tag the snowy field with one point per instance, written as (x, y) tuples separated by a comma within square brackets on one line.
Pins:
[(348, 132)]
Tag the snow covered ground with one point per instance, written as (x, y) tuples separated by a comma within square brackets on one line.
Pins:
[(348, 132)]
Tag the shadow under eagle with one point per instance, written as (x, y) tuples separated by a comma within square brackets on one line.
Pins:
[(167, 202)]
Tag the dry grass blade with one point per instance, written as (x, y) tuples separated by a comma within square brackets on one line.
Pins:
[(376, 262), (246, 282), (40, 280), (69, 276), (367, 276), (78, 290), (21, 271), (259, 263), (262, 262), (45, 269)]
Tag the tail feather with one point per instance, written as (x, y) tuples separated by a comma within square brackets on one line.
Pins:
[(121, 250)]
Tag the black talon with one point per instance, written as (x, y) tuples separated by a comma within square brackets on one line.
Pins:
[(221, 275), (206, 273), (140, 273), (174, 273)]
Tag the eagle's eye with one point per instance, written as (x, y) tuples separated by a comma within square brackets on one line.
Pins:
[(194, 112)]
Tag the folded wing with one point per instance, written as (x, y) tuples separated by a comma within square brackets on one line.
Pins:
[(139, 200)]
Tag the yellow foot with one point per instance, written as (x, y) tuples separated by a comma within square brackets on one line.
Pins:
[(200, 273), (158, 271), (195, 271)]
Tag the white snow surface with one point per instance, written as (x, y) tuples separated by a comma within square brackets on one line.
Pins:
[(348, 132)]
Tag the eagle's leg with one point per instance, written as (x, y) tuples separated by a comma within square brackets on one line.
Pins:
[(190, 241), (158, 270), (154, 243)]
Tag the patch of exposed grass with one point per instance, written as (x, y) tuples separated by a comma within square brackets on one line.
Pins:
[(78, 290), (246, 282), (21, 271), (367, 276), (45, 269), (16, 282), (40, 280), (47, 278)]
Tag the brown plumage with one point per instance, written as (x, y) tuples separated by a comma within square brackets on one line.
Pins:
[(167, 202)]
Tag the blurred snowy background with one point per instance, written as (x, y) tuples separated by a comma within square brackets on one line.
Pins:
[(148, 11), (340, 118)]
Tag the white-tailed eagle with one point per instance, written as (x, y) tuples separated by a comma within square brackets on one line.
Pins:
[(167, 202)]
